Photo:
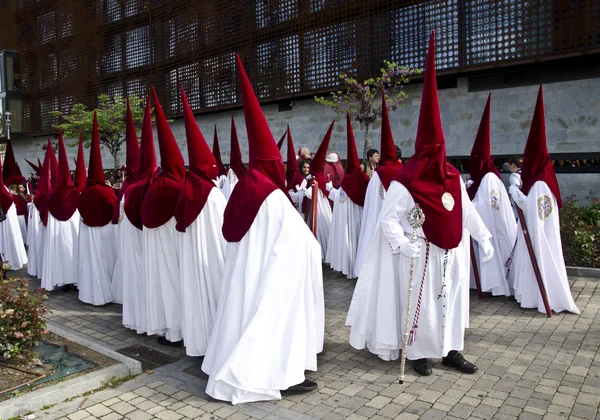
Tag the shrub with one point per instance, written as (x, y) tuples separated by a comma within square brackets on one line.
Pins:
[(21, 322), (580, 232)]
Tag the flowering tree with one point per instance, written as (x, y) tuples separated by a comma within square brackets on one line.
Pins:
[(362, 100)]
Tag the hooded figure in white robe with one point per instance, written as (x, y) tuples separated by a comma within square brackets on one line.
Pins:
[(294, 178), (439, 311), (160, 267), (12, 175), (270, 320), (377, 188), (12, 247), (199, 216), (97, 235), (237, 169), (348, 203), (540, 200), (490, 198), (61, 242)]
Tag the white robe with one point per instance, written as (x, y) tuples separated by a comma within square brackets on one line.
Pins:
[(116, 285), (22, 227), (221, 180), (11, 241), (343, 236), (270, 320), (323, 219), (61, 252), (160, 271), (33, 237), (541, 214), (97, 257), (378, 306), (493, 205), (373, 202), (297, 198), (202, 257), (229, 183)]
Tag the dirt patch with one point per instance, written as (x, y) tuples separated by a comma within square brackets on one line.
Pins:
[(14, 373)]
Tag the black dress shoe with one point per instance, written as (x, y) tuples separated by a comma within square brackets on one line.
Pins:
[(163, 341), (422, 367), (305, 386), (457, 361)]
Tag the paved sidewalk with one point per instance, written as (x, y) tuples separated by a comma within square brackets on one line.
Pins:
[(530, 367)]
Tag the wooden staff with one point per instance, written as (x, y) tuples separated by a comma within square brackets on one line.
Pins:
[(476, 272), (314, 203), (534, 263)]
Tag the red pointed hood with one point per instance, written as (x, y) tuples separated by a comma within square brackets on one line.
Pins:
[(80, 176), (235, 157), (64, 198), (132, 159), (43, 187), (481, 162), (292, 176), (64, 172), (171, 160), (36, 168), (355, 181), (317, 165), (53, 167), (265, 173), (427, 175), (282, 139), (536, 159), (147, 161), (10, 171), (217, 154), (5, 198), (388, 162), (95, 169)]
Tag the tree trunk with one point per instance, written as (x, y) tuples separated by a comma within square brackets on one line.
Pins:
[(115, 156)]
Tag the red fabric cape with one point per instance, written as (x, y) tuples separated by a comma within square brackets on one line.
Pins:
[(427, 176), (5, 199), (63, 201), (161, 199), (355, 184), (251, 190), (478, 168), (97, 204), (387, 171), (192, 200), (20, 204), (134, 197), (540, 169), (336, 172)]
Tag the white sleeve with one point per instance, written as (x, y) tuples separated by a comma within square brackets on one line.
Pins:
[(517, 195), (390, 223), (472, 220), (334, 195)]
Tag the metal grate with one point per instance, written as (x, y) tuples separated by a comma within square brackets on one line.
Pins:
[(73, 49), (150, 358)]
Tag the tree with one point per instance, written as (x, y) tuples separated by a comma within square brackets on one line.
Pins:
[(363, 100), (111, 122)]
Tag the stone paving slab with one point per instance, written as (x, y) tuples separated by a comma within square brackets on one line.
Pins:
[(530, 367)]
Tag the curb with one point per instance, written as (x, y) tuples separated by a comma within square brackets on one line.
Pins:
[(584, 272), (57, 393)]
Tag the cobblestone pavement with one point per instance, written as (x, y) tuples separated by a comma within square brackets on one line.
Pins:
[(530, 367)]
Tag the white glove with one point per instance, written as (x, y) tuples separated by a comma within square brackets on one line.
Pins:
[(329, 186), (488, 250), (469, 183), (408, 249), (518, 197)]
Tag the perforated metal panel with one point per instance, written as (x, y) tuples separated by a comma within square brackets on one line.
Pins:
[(73, 49)]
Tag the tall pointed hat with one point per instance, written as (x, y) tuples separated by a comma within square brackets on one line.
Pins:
[(163, 194), (44, 186), (388, 161), (481, 162), (282, 139), (132, 149), (217, 154), (80, 175), (5, 198), (433, 183), (355, 181), (36, 168), (235, 157), (10, 170), (64, 198), (265, 172), (53, 167), (292, 175), (98, 200), (203, 170), (317, 164), (147, 170), (536, 159)]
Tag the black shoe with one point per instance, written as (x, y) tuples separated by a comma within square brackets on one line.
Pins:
[(422, 367), (66, 287), (305, 386), (457, 361), (163, 341)]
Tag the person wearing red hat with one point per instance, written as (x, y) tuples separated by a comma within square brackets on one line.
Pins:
[(11, 239), (160, 267), (490, 198), (97, 235), (43, 203), (348, 202), (539, 198), (128, 269), (80, 175), (12, 175), (222, 171), (268, 331), (199, 216), (333, 169), (438, 251), (389, 164), (237, 169), (323, 204), (61, 250), (132, 158)]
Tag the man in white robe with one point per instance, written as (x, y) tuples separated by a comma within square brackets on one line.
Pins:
[(348, 203), (270, 320), (11, 240), (491, 201), (439, 311), (540, 200)]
